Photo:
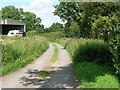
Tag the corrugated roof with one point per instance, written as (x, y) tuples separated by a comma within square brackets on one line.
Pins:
[(11, 22)]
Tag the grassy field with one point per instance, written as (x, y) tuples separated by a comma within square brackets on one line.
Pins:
[(18, 51)]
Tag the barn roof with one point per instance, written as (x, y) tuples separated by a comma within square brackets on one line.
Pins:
[(11, 22)]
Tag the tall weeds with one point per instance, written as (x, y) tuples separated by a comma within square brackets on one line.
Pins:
[(17, 52)]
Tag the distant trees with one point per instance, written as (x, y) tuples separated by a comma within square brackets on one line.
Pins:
[(30, 19), (72, 29), (93, 20), (55, 27)]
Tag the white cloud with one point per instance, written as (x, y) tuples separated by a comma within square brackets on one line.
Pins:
[(14, 0), (43, 9)]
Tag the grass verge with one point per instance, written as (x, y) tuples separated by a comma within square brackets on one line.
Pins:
[(55, 55), (17, 52), (91, 75)]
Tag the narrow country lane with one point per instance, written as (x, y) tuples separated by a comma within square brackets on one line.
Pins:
[(15, 79), (62, 75)]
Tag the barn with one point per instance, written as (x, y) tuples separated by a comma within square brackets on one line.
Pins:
[(9, 24)]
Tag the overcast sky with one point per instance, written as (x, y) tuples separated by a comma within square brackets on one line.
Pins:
[(42, 8)]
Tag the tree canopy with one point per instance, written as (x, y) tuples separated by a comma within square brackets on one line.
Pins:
[(95, 20), (30, 19), (55, 27)]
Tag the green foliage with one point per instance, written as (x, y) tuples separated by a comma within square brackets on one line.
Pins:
[(92, 75), (115, 49), (11, 12), (44, 74), (40, 29), (52, 35), (17, 52), (72, 29), (87, 50), (93, 51), (32, 22), (55, 27), (67, 11), (95, 19), (32, 33), (102, 26)]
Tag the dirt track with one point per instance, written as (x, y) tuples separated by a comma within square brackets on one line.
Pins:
[(62, 75)]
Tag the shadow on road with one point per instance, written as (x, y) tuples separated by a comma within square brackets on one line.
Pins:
[(62, 77)]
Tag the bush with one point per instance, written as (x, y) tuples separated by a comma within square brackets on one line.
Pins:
[(115, 50), (32, 33), (90, 50), (93, 51)]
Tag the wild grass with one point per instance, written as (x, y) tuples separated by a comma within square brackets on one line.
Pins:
[(55, 55), (91, 75), (52, 35), (32, 33), (91, 50), (49, 67), (44, 74), (17, 51), (90, 58)]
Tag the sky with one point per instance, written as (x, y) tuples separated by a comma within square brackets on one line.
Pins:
[(42, 8)]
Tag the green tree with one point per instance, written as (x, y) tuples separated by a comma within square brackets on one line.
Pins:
[(68, 11), (11, 12), (86, 14), (101, 27), (40, 28), (30, 19), (72, 29), (32, 22), (55, 27)]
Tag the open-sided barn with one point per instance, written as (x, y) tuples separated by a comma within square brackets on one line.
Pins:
[(9, 24)]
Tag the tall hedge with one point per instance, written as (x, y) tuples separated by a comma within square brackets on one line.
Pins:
[(115, 49)]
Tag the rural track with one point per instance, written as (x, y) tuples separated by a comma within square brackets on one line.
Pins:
[(62, 76)]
